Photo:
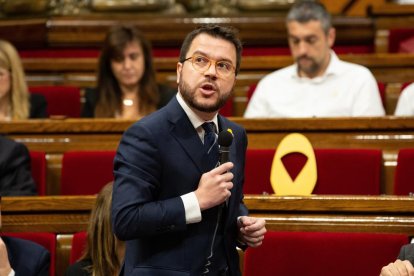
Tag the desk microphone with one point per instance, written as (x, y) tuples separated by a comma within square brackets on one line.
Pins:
[(224, 140)]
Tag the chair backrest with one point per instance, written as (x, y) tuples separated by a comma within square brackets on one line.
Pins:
[(317, 253), (78, 246), (38, 168), (61, 100), (227, 109), (86, 172), (397, 37), (45, 239), (404, 172), (339, 170)]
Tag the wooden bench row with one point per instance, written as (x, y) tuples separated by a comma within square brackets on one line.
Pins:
[(67, 215), (55, 137), (391, 69)]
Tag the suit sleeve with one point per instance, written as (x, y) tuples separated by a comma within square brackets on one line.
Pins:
[(17, 177), (137, 210), (43, 264)]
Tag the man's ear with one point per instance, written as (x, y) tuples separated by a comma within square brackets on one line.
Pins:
[(331, 37), (179, 69)]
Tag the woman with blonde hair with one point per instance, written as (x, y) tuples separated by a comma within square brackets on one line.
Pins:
[(15, 101), (126, 83), (104, 253)]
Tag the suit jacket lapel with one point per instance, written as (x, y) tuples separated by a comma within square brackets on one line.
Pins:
[(185, 134)]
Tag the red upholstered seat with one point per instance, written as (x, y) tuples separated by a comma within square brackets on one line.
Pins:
[(227, 109), (340, 171), (86, 172), (78, 246), (404, 172), (61, 100), (38, 168), (315, 254), (397, 37), (45, 239)]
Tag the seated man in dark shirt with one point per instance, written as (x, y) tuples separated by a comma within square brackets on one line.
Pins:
[(15, 174), (22, 257)]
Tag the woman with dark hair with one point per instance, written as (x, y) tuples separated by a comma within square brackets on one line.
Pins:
[(104, 253), (126, 84)]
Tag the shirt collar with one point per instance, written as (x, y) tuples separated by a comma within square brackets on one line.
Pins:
[(195, 120)]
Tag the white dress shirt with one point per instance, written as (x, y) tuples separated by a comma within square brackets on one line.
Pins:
[(405, 105), (344, 90)]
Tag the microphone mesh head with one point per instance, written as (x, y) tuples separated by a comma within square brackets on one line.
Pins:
[(225, 138)]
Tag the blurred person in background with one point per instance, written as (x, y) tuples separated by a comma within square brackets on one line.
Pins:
[(15, 169), (16, 103), (104, 253), (126, 82)]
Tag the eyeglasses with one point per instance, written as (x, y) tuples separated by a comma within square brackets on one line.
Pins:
[(202, 64)]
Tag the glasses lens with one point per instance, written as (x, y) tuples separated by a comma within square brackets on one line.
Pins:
[(224, 68), (202, 64)]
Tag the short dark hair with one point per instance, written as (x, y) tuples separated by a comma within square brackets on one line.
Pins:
[(227, 33), (305, 11)]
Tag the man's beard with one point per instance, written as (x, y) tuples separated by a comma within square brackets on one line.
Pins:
[(310, 70), (189, 96)]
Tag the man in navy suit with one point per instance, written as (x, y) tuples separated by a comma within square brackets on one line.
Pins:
[(179, 213), (23, 257), (403, 266)]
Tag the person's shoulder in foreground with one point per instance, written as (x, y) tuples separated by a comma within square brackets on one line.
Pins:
[(15, 169), (26, 257)]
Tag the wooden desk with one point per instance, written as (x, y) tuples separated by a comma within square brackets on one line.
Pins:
[(57, 136), (384, 214), (67, 215)]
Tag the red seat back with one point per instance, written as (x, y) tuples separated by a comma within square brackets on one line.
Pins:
[(339, 170), (45, 239), (61, 100), (38, 168), (315, 253), (78, 246), (86, 172), (227, 109), (398, 36), (404, 172)]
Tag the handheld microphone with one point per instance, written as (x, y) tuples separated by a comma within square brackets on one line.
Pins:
[(224, 140)]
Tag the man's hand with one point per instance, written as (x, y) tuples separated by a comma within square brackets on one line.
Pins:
[(398, 268), (5, 267), (252, 230), (214, 186)]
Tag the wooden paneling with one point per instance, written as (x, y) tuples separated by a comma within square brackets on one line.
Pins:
[(67, 215), (88, 31), (57, 136)]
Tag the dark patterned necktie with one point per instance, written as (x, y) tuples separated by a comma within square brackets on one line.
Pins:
[(210, 148), (209, 137)]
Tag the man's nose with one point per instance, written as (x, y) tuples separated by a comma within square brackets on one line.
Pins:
[(302, 48), (211, 71), (127, 63)]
